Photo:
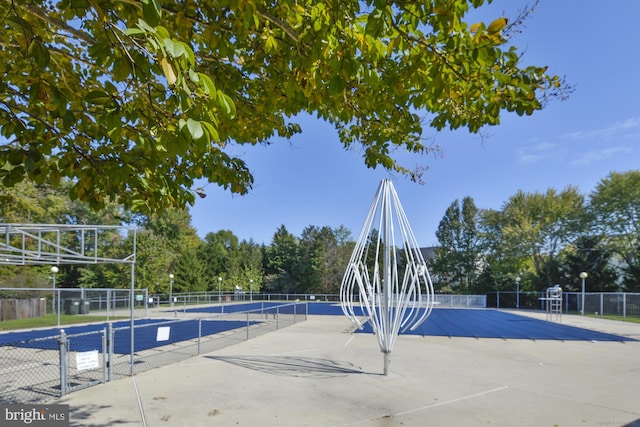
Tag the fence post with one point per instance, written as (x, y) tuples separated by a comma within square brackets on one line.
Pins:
[(498, 300), (295, 309), (601, 304), (104, 355), (62, 343), (110, 345), (108, 302), (247, 326), (277, 317), (199, 334), (59, 307)]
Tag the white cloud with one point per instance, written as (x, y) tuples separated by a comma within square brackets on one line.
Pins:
[(594, 156), (618, 130), (539, 152), (594, 145)]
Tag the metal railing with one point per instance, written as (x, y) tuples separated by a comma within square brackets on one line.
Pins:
[(73, 301), (623, 304), (183, 300)]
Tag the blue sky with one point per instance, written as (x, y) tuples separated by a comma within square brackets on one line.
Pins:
[(312, 180)]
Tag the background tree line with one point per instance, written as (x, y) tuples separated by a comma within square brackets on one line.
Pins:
[(167, 243), (543, 238)]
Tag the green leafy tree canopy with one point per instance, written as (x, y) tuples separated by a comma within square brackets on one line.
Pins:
[(135, 101)]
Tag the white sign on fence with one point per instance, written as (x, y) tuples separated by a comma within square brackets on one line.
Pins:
[(163, 333), (87, 360)]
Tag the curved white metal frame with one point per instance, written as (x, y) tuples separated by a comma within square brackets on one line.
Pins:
[(391, 302)]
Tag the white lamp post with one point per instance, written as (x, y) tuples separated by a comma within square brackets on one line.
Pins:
[(171, 276), (54, 271), (250, 289), (583, 276), (219, 294), (518, 292)]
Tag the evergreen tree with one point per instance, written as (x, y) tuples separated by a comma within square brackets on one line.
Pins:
[(189, 272), (459, 255), (281, 261)]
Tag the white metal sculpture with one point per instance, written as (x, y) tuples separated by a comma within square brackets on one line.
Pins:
[(387, 276)]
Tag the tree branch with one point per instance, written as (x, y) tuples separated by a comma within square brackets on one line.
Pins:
[(55, 22), (282, 25)]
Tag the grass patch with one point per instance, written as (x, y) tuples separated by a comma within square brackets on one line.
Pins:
[(51, 320), (631, 319)]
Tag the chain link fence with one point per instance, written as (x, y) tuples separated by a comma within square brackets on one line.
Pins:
[(30, 370), (38, 368), (610, 303), (21, 303), (623, 304)]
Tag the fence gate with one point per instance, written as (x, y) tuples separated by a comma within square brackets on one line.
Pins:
[(83, 360)]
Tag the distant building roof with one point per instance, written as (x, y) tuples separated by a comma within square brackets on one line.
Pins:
[(428, 253)]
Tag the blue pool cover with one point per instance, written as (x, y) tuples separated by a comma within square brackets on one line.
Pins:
[(443, 322), (454, 322), (145, 334)]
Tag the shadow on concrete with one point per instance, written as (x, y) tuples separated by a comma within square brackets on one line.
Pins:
[(82, 416), (302, 367)]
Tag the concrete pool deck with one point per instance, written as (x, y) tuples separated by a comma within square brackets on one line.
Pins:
[(318, 373)]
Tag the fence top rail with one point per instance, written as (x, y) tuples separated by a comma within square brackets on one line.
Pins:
[(206, 316), (159, 323), (29, 341), (141, 291), (254, 310), (565, 292), (81, 334)]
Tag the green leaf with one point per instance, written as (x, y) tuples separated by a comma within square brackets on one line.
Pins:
[(54, 178), (211, 130), (14, 176), (79, 4), (226, 103), (38, 51), (337, 85), (146, 27), (152, 12), (16, 157), (134, 31), (68, 120), (497, 25), (270, 44), (207, 84), (174, 48), (98, 97), (122, 69), (195, 128)]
